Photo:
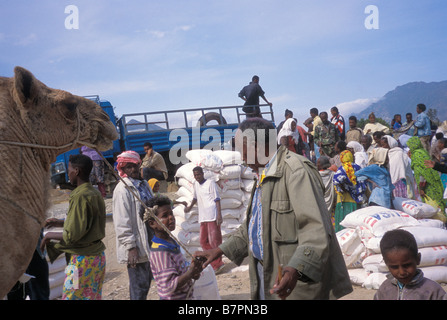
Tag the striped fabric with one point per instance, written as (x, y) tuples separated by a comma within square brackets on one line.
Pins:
[(167, 264)]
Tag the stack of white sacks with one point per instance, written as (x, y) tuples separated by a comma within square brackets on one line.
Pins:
[(235, 182), (364, 228), (56, 276)]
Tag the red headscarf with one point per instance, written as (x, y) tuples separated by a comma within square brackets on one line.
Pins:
[(127, 157)]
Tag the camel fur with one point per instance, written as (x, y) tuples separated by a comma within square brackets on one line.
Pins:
[(35, 114)]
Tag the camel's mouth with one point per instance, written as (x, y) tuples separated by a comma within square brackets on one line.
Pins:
[(106, 135)]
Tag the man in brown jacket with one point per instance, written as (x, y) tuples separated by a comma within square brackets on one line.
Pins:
[(287, 235)]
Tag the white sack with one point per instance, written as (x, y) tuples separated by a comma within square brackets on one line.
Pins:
[(230, 172), (205, 158), (205, 288), (229, 157), (378, 219), (416, 209)]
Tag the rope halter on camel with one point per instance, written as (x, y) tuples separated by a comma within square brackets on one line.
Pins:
[(149, 212)]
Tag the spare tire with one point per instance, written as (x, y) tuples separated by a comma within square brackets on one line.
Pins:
[(210, 116)]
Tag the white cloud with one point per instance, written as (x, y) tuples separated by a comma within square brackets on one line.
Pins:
[(113, 88), (29, 39), (356, 106)]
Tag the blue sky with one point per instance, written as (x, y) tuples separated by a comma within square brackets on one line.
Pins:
[(147, 55)]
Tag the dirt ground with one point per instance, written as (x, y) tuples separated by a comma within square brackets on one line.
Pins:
[(233, 282)]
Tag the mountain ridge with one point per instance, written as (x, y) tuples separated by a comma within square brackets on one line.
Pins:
[(404, 98)]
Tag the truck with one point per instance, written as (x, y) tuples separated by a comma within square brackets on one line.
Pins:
[(170, 132)]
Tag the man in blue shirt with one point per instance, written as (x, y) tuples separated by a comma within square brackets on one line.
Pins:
[(423, 125)]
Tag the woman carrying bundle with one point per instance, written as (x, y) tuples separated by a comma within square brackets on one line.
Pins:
[(350, 192)]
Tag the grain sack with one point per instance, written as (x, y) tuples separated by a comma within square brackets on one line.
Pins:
[(436, 273), (56, 276), (349, 240), (58, 265), (247, 184), (374, 263), (183, 192), (424, 236), (231, 213), (355, 218), (374, 280), (228, 157), (352, 247), (247, 173), (230, 172), (205, 158), (56, 279), (430, 256), (433, 256), (230, 223), (416, 209), (185, 172), (358, 276), (190, 225), (179, 211), (231, 193), (182, 182), (187, 238), (378, 219), (230, 203), (434, 223), (428, 237), (228, 184)]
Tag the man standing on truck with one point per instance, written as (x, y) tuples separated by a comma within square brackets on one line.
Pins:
[(250, 94), (153, 165)]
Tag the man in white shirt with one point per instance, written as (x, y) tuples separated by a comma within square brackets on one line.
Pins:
[(207, 198)]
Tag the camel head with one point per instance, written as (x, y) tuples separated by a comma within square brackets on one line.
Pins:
[(47, 114)]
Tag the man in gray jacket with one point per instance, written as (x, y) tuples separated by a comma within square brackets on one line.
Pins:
[(287, 235), (132, 237)]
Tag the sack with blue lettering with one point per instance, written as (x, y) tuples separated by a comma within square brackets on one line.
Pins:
[(416, 209), (379, 220)]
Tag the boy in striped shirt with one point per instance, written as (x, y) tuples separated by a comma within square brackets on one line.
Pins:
[(172, 273)]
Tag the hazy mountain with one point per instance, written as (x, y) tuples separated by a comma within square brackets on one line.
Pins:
[(135, 125), (404, 99)]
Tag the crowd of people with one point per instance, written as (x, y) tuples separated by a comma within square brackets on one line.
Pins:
[(374, 164), (358, 167)]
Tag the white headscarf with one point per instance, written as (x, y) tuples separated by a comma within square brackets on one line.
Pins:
[(286, 131), (399, 162), (391, 141), (360, 156)]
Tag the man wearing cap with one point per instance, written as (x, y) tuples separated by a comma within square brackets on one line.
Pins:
[(132, 236)]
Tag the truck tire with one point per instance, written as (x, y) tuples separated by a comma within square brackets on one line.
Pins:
[(210, 116)]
